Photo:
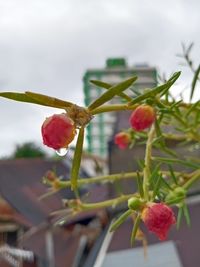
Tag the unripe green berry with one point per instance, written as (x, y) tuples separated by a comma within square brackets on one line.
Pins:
[(180, 192), (134, 203), (170, 196)]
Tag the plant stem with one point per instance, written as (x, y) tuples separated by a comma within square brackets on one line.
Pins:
[(118, 107), (147, 162), (195, 177), (109, 108), (108, 178), (106, 203)]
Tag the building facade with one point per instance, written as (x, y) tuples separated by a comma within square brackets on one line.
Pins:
[(100, 129)]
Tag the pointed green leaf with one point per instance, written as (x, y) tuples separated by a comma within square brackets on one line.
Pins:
[(157, 186), (174, 201), (179, 217), (120, 220), (169, 151), (140, 185), (38, 99), (193, 107), (189, 48), (165, 183), (157, 90), (154, 174), (77, 159), (186, 214), (49, 101), (101, 84), (194, 82), (21, 97), (108, 86), (140, 163), (135, 228), (113, 91), (172, 174), (178, 161)]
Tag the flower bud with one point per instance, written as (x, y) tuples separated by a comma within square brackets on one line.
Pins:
[(122, 139), (176, 196), (58, 131), (158, 218), (50, 176), (180, 191), (142, 117), (134, 203)]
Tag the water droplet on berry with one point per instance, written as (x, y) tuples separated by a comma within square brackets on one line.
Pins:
[(62, 151)]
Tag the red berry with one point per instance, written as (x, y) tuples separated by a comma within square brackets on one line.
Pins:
[(142, 117), (58, 131), (158, 218), (50, 176), (122, 140)]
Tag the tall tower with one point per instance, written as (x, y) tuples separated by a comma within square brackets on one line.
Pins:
[(100, 128)]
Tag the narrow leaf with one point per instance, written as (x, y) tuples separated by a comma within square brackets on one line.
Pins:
[(165, 183), (21, 97), (135, 228), (101, 84), (157, 186), (113, 91), (153, 92), (186, 214), (189, 48), (179, 217), (169, 151), (178, 161), (174, 201), (108, 86), (120, 220), (141, 164), (154, 174), (140, 185), (77, 159), (172, 174), (194, 81), (49, 101), (193, 107)]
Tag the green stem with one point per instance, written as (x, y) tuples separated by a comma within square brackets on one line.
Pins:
[(147, 162), (107, 203), (135, 228), (193, 179), (176, 137), (109, 108), (108, 178)]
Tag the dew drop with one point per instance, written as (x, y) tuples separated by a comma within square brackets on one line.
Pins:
[(62, 151)]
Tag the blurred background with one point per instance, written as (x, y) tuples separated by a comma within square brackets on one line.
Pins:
[(47, 46), (55, 47)]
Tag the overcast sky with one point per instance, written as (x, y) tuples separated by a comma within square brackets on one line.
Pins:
[(47, 45)]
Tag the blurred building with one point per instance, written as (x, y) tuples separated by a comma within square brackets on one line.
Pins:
[(100, 128)]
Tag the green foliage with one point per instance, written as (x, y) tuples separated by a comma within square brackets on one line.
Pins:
[(154, 183), (28, 150), (113, 91)]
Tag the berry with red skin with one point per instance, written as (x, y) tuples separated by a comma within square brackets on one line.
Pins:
[(142, 117), (122, 140), (58, 131), (50, 176), (158, 218)]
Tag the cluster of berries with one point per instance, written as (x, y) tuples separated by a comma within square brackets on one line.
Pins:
[(58, 131), (157, 217)]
